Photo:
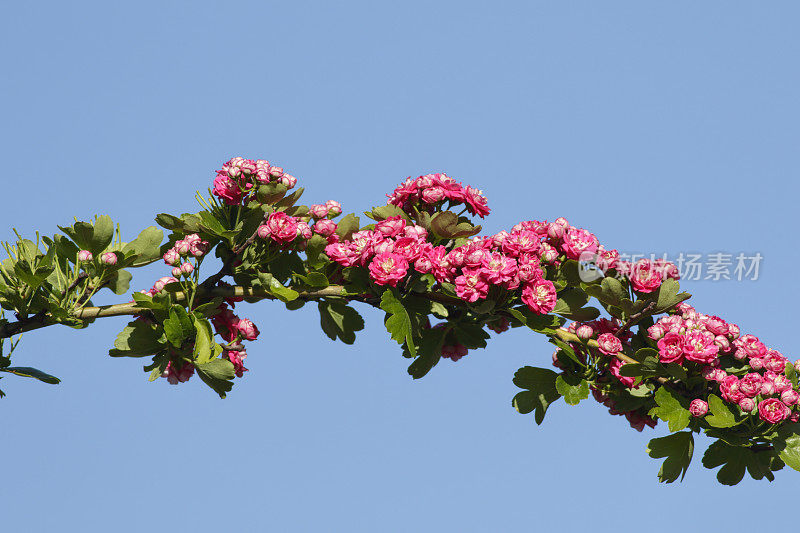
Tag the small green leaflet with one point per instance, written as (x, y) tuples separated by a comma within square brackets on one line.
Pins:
[(572, 388), (28, 372)]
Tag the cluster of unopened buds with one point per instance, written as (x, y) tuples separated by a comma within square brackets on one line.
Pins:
[(190, 246), (239, 176)]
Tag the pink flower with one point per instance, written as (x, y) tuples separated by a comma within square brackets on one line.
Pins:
[(773, 411), (498, 268), (247, 329), (282, 227), (388, 268), (454, 352), (656, 331), (227, 189), (644, 277), (750, 384), (577, 241), (85, 255), (433, 195), (751, 345), (670, 348), (476, 202), (471, 285), (392, 226), (614, 366), (698, 407), (237, 358), (716, 325), (699, 346), (609, 344), (775, 362), (729, 388), (540, 296), (179, 375), (109, 258)]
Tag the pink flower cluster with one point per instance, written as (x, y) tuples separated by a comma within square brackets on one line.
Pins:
[(431, 191), (238, 177), (703, 339), (234, 330)]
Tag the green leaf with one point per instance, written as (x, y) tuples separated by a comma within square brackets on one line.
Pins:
[(178, 328), (170, 222), (348, 225), (28, 372), (613, 291), (668, 297), (102, 234), (146, 247), (430, 351), (120, 282), (733, 459), (671, 409), (80, 233), (572, 389), (385, 211), (339, 320), (137, 339), (472, 336), (541, 391), (398, 321), (539, 323), (570, 300), (217, 374), (315, 279), (205, 349), (276, 288), (721, 416), (788, 445), (444, 224), (678, 449), (316, 245)]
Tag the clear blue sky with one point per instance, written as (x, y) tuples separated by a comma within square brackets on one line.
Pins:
[(662, 127)]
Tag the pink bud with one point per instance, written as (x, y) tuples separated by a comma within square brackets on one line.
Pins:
[(289, 181), (555, 231), (187, 268), (182, 247), (767, 388), (109, 258), (756, 363), (698, 407), (85, 255), (325, 227), (318, 211), (790, 397), (172, 257), (248, 330), (276, 172), (176, 272), (747, 404), (158, 286), (584, 332), (433, 195), (334, 208), (733, 331)]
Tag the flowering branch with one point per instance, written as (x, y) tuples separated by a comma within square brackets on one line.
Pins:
[(651, 358)]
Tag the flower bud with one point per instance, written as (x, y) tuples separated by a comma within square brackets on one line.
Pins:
[(318, 211), (263, 231), (85, 255), (248, 330), (555, 231), (790, 396), (584, 332), (756, 363), (733, 331), (334, 208), (182, 247), (176, 272), (172, 257), (747, 404), (767, 388), (276, 172), (289, 181), (158, 286), (698, 407), (187, 268), (109, 258)]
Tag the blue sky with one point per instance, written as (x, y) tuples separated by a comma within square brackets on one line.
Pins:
[(661, 127)]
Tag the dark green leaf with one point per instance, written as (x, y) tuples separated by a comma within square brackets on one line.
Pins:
[(217, 374), (339, 320), (29, 372), (146, 247), (541, 391), (678, 449), (102, 234), (430, 351), (398, 321)]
